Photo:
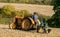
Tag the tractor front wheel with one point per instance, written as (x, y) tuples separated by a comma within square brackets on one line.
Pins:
[(12, 26)]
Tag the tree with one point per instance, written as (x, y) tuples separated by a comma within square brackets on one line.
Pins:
[(25, 12), (56, 4), (54, 21), (8, 1), (0, 10), (7, 10)]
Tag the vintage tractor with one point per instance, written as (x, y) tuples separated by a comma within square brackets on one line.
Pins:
[(25, 23)]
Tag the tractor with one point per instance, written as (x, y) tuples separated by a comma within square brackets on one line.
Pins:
[(24, 23)]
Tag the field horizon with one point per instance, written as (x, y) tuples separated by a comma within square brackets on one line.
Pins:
[(41, 9)]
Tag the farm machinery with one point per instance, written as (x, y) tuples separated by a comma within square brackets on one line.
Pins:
[(25, 23)]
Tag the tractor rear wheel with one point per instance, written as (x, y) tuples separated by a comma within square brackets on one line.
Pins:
[(26, 24)]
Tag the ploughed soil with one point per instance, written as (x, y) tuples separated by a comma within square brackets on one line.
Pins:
[(6, 32)]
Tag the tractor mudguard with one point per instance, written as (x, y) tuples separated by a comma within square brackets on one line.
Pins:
[(39, 22), (32, 21)]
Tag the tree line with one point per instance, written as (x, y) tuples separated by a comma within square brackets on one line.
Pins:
[(47, 2)]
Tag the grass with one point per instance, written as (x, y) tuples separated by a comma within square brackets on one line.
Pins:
[(5, 20)]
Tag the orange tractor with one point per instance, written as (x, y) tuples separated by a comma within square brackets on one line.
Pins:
[(25, 23)]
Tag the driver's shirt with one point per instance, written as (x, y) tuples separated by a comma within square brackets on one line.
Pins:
[(35, 18)]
